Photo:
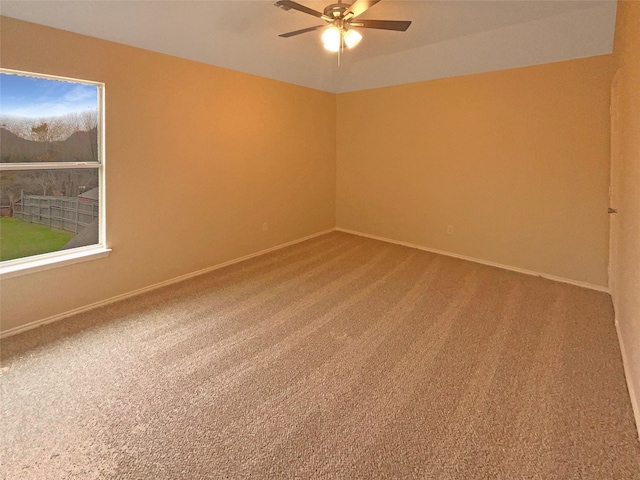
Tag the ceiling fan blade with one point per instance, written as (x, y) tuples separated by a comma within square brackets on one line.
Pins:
[(358, 8), (289, 4), (298, 32), (397, 25)]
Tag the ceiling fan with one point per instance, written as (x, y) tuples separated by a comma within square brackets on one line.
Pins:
[(342, 19)]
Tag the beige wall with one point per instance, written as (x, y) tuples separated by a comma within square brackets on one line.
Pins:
[(198, 157), (627, 293), (516, 160)]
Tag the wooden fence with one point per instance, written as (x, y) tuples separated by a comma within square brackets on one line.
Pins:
[(65, 213)]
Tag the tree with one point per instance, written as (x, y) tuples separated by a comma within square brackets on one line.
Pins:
[(41, 133), (52, 133), (10, 187), (89, 122), (45, 180)]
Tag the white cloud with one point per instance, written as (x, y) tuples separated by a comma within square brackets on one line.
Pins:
[(48, 98), (47, 109), (81, 94)]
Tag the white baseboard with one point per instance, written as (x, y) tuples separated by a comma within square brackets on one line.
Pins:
[(635, 401), (60, 316), (101, 303), (590, 286), (627, 370), (635, 404)]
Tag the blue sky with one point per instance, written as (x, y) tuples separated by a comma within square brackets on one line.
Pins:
[(40, 98)]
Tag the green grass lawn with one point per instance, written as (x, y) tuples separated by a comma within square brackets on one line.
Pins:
[(22, 239)]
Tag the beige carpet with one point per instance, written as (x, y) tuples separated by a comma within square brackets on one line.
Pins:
[(340, 357)]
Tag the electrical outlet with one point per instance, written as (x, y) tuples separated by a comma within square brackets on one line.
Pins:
[(449, 229), (265, 226)]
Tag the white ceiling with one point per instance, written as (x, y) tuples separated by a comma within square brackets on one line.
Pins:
[(447, 38)]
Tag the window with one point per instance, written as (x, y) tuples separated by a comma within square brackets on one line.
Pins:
[(51, 170)]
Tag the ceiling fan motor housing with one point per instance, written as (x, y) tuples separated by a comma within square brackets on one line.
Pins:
[(336, 10)]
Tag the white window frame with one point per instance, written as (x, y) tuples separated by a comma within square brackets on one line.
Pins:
[(45, 261)]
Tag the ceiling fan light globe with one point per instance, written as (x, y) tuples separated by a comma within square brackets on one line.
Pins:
[(331, 38), (352, 38)]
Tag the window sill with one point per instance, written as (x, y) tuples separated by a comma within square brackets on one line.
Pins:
[(38, 265)]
